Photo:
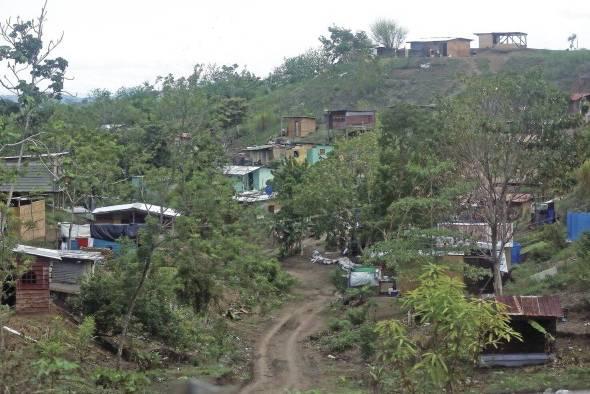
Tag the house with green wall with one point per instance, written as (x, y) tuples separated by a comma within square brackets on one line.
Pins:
[(318, 152), (247, 178)]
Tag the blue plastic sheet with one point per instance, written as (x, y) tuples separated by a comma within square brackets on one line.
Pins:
[(578, 223)]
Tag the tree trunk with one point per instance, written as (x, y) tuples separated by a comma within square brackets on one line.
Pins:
[(127, 319), (496, 260)]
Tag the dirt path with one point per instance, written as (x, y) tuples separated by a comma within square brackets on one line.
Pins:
[(282, 360)]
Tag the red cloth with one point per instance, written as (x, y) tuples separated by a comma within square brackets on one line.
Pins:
[(82, 242)]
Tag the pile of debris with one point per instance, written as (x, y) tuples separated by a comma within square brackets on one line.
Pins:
[(343, 262)]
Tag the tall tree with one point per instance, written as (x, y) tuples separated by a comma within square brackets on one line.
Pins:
[(499, 132), (388, 33)]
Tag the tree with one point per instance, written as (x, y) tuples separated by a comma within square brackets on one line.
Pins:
[(573, 40), (32, 75), (343, 45), (454, 329), (387, 33), (300, 68), (500, 130)]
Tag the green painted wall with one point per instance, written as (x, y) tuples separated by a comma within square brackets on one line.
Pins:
[(313, 154)]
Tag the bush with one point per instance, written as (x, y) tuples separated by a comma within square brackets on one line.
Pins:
[(126, 382), (357, 316)]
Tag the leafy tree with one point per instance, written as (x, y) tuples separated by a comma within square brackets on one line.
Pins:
[(388, 33), (343, 45), (500, 130), (300, 68), (454, 330)]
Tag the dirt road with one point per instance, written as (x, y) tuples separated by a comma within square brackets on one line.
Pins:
[(283, 362)]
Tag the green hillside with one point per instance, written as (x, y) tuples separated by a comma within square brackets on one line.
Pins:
[(378, 83)]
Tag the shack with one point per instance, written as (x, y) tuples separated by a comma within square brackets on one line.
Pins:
[(318, 152), (32, 287), (262, 200), (527, 314), (441, 47), (259, 154), (350, 119), (133, 213), (298, 126), (247, 178), (502, 40)]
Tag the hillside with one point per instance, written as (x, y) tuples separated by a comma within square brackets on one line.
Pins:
[(382, 82)]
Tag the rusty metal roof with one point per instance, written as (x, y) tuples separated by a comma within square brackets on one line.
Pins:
[(579, 96), (541, 306)]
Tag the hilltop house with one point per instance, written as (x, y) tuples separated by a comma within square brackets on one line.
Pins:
[(580, 104), (447, 46), (502, 40), (350, 119)]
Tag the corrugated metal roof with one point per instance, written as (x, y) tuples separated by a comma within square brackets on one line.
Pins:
[(33, 177), (440, 39), (540, 306), (34, 251), (81, 255), (578, 96), (503, 33), (140, 206), (239, 170)]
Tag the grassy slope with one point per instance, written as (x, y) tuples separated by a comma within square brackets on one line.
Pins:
[(380, 83)]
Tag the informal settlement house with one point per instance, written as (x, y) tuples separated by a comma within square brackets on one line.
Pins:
[(445, 47), (298, 126), (248, 178), (49, 270), (580, 105), (502, 40), (526, 313), (350, 119), (29, 214)]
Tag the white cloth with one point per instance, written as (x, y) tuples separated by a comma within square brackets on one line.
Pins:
[(78, 230)]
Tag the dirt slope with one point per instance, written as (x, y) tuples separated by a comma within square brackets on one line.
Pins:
[(282, 361)]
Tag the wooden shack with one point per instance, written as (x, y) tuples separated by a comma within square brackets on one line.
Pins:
[(441, 47), (299, 126), (502, 40), (32, 286), (350, 119), (30, 216)]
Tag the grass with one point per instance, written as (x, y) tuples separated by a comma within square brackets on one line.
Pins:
[(538, 380)]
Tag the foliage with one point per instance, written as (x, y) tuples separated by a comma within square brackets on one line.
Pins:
[(388, 33), (300, 68), (453, 331), (344, 46)]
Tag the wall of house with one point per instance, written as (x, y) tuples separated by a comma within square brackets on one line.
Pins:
[(337, 120), (34, 297), (486, 41), (427, 48), (317, 153), (306, 127), (362, 119), (458, 48), (261, 176), (262, 156), (31, 217), (297, 153)]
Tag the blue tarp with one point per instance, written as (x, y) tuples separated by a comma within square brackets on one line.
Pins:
[(516, 252), (577, 224)]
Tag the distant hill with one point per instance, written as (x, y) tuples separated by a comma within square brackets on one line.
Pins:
[(381, 83)]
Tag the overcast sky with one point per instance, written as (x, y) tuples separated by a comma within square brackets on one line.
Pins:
[(114, 43)]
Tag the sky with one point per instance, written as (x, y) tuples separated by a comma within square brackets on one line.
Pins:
[(122, 43)]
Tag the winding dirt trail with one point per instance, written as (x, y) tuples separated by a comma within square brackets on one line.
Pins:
[(282, 361)]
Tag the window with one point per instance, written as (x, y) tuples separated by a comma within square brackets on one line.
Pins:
[(271, 209), (322, 152), (29, 278), (295, 153)]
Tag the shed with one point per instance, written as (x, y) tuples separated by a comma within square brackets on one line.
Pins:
[(318, 152), (524, 312), (444, 46), (299, 126), (32, 287), (350, 119), (502, 40), (133, 213), (37, 174), (259, 154)]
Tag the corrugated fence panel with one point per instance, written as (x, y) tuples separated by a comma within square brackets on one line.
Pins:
[(65, 272)]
